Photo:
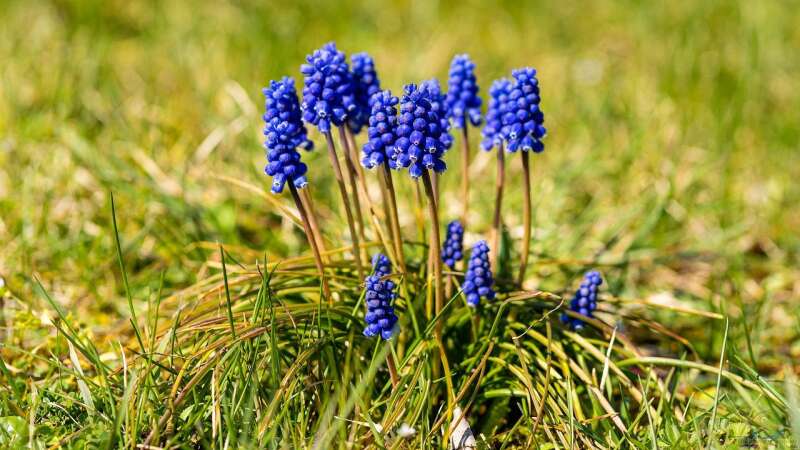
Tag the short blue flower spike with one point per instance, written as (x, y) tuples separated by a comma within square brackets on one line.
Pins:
[(422, 136), (284, 131), (585, 300), (478, 281), (498, 105), (452, 250), (463, 101), (381, 131), (328, 97), (379, 294), (523, 120), (365, 85)]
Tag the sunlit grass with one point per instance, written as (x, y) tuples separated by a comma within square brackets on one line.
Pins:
[(670, 166)]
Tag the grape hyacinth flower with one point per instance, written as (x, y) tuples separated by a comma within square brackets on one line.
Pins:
[(381, 131), (463, 105), (523, 119), (452, 250), (494, 136), (328, 100), (478, 280), (365, 85), (380, 317), (285, 132), (498, 105), (328, 89), (421, 138), (463, 101), (523, 130), (585, 300)]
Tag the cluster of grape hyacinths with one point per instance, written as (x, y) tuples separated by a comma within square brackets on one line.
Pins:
[(328, 96), (478, 281), (380, 317), (422, 136), (365, 85), (381, 131), (498, 105), (585, 300), (285, 132), (523, 120), (463, 101), (452, 250)]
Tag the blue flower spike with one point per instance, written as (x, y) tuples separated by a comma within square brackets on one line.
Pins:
[(453, 250), (380, 316), (498, 105), (365, 85), (478, 281), (585, 300), (422, 136), (523, 120), (382, 130), (284, 132), (463, 101), (328, 97)]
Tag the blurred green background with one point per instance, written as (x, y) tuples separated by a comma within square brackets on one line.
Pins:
[(673, 128)]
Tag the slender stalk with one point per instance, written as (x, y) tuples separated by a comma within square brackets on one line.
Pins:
[(394, 219), (337, 171), (351, 139), (435, 184), (311, 241), (364, 192), (352, 175), (496, 223), (436, 249), (392, 366), (526, 217), (305, 197), (464, 175)]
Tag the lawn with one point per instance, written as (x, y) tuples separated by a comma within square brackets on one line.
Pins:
[(155, 293)]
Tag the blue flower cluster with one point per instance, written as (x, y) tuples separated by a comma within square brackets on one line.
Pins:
[(284, 131), (498, 104), (478, 280), (463, 101), (421, 137), (328, 89), (365, 85), (380, 317), (585, 300), (522, 121), (381, 131), (452, 250)]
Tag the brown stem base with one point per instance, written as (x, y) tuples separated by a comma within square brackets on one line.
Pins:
[(312, 242)]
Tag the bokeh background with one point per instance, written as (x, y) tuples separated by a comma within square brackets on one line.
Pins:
[(672, 156)]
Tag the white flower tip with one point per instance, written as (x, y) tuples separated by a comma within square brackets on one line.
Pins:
[(406, 431)]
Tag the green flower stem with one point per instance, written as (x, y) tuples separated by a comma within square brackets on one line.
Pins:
[(337, 171), (312, 242), (526, 217)]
